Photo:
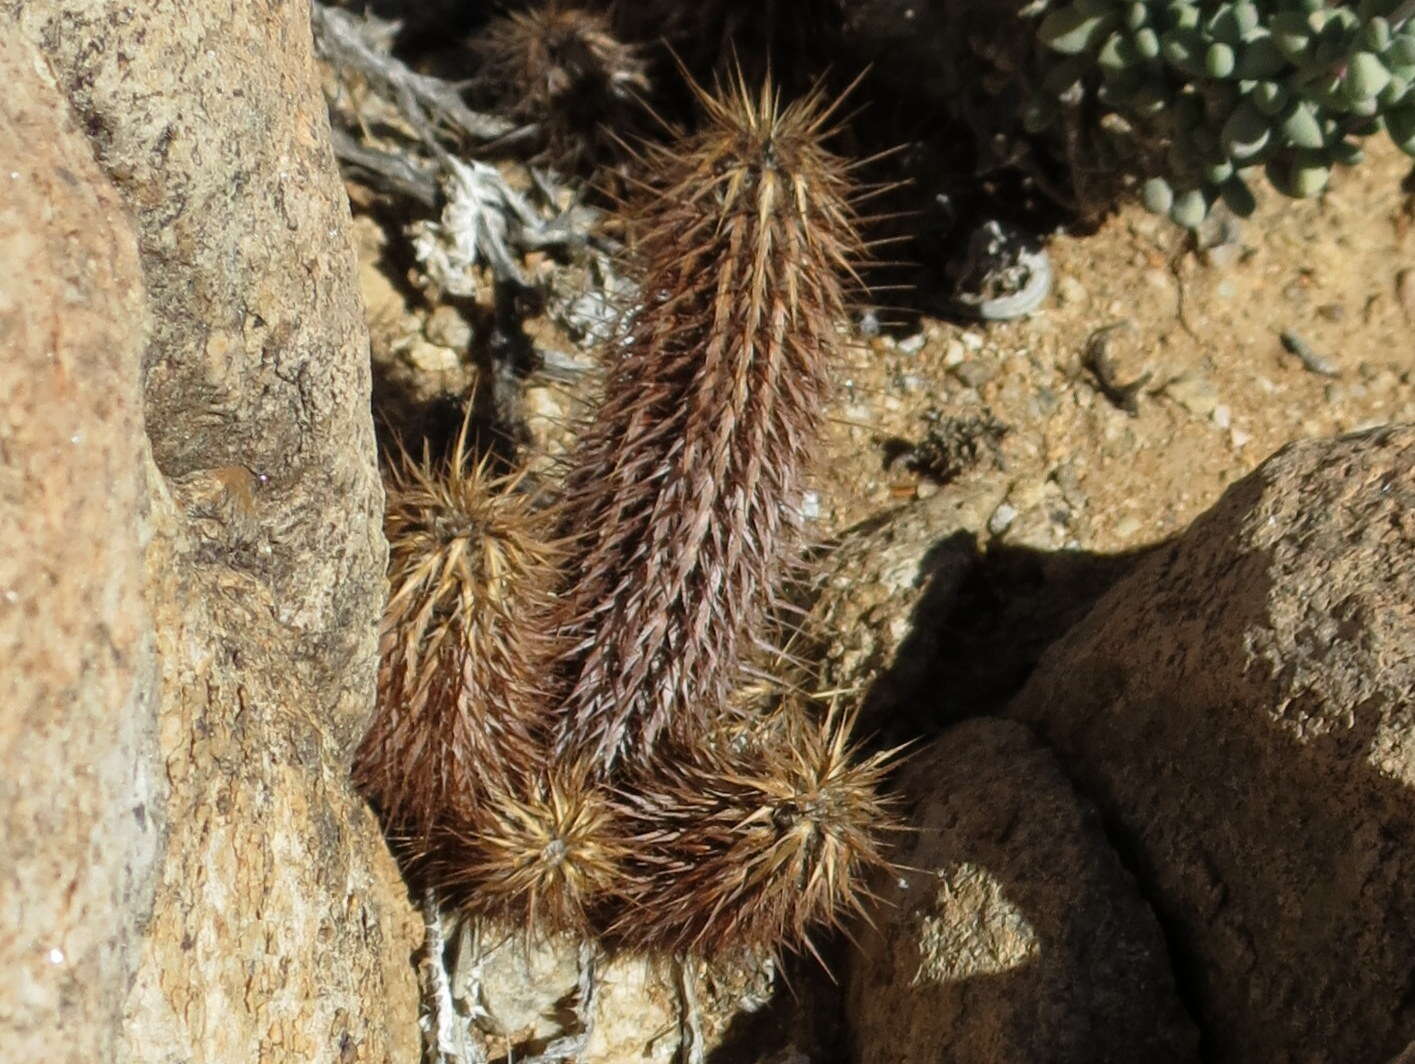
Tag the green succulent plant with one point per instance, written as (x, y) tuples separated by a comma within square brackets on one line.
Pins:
[(1292, 86)]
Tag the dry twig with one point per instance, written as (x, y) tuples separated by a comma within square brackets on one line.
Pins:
[(345, 42)]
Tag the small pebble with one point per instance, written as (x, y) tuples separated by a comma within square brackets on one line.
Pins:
[(1159, 280), (1222, 256), (1127, 526), (431, 358), (972, 341), (954, 354), (909, 382), (1071, 292), (1195, 394), (1002, 519), (912, 345), (1028, 494), (1222, 416), (1219, 229), (975, 373), (446, 328), (1147, 226), (1066, 479)]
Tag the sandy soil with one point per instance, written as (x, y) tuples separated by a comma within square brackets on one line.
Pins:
[(1200, 329)]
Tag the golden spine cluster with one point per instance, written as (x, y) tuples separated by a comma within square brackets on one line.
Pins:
[(460, 704), (553, 718), (749, 845), (561, 71)]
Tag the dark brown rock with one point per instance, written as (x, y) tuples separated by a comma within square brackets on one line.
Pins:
[(1012, 934), (1240, 709)]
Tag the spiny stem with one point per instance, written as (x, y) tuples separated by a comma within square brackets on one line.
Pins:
[(686, 489)]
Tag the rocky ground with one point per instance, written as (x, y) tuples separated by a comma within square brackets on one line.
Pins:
[(1155, 376), (981, 487), (1199, 386), (1135, 579)]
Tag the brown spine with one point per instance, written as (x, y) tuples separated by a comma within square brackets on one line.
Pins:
[(543, 857), (461, 695), (560, 69), (685, 493), (752, 843)]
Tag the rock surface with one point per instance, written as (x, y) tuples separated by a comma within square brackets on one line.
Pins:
[(884, 592), (1240, 709), (1012, 933), (194, 564), (528, 996), (933, 619), (80, 785)]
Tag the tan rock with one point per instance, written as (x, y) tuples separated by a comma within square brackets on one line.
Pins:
[(447, 328), (1011, 933), (927, 620), (429, 358), (189, 649), (1240, 708), (529, 995), (882, 593), (558, 997), (81, 789)]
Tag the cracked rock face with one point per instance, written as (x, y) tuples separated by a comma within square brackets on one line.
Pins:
[(1011, 932), (1240, 709), (193, 562)]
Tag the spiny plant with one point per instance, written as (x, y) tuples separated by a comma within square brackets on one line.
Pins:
[(561, 70), (750, 843), (685, 491), (579, 764), (1219, 88), (544, 857), (460, 700), (455, 758)]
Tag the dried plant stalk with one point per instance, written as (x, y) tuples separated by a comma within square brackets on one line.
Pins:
[(685, 492)]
